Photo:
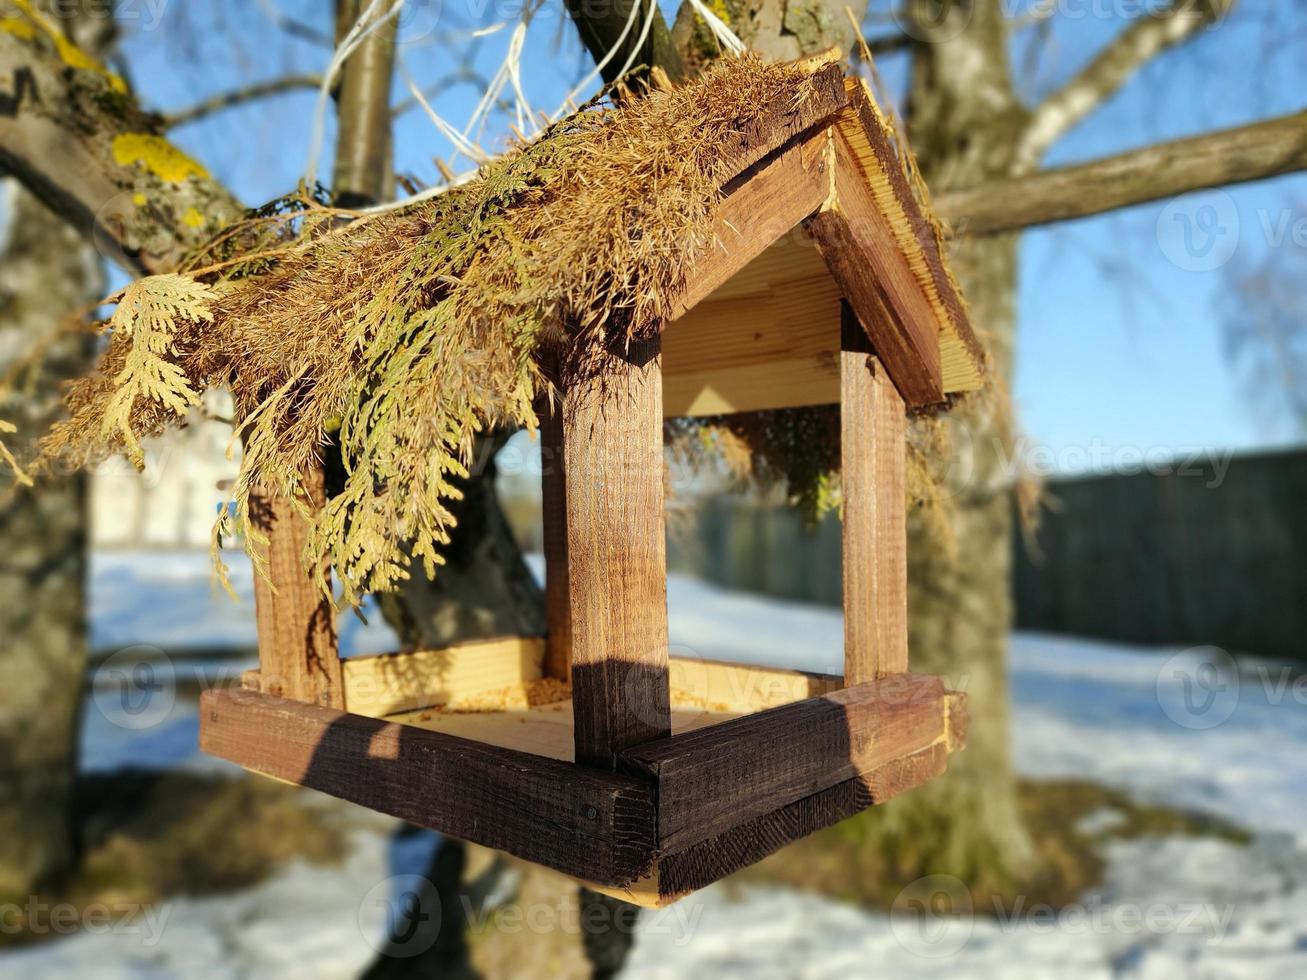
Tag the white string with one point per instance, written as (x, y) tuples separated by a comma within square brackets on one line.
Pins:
[(583, 85), (724, 35), (510, 73), (639, 42), (461, 145), (348, 45), (421, 196), (514, 63)]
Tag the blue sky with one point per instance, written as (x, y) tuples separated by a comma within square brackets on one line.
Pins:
[(1119, 346)]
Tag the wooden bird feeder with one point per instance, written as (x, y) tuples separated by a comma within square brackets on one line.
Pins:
[(657, 775)]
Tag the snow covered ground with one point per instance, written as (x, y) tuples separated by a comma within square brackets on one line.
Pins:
[(1179, 727)]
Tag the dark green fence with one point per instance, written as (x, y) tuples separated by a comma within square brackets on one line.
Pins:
[(1186, 558), (1200, 556)]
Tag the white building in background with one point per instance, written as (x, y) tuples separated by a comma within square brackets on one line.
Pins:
[(173, 503)]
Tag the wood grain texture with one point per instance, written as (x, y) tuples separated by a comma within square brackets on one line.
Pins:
[(393, 682), (298, 655), (708, 861), (715, 778), (553, 514), (542, 729), (784, 119), (616, 554), (861, 251), (762, 205), (873, 473), (961, 357), (703, 693), (594, 825), (777, 347), (702, 863)]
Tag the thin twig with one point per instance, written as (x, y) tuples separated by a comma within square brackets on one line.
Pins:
[(240, 96)]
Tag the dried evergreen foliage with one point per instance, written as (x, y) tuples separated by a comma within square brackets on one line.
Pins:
[(8, 457), (403, 335)]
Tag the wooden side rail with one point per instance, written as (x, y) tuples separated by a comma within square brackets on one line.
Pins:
[(713, 779), (596, 825)]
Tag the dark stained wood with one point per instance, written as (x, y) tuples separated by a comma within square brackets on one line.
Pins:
[(298, 655), (616, 553), (594, 825), (785, 119), (710, 860), (861, 252), (712, 779), (873, 454)]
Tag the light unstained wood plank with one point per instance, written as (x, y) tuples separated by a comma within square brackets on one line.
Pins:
[(713, 779), (961, 356), (791, 258), (616, 552), (594, 825), (861, 251), (703, 693), (778, 348), (298, 656), (543, 729), (873, 451), (744, 688), (393, 682)]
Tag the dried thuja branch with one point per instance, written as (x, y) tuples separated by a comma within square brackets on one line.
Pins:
[(147, 318), (407, 333), (8, 457)]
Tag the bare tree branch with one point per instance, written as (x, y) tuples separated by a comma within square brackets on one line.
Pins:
[(77, 139), (1147, 36), (1232, 156), (240, 96)]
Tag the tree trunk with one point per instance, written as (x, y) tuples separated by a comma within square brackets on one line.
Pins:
[(46, 273), (962, 117)]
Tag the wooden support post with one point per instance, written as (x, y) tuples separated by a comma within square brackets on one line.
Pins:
[(616, 553), (873, 451), (553, 500), (298, 656)]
